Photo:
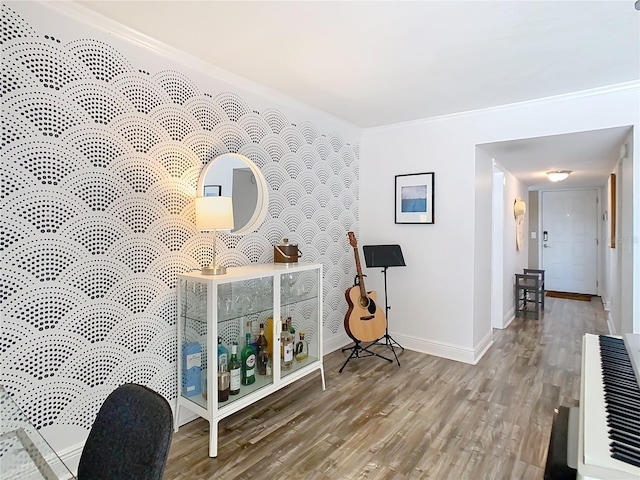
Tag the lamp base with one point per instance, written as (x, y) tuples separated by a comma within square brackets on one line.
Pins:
[(214, 270)]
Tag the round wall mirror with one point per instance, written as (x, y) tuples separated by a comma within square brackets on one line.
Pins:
[(234, 175)]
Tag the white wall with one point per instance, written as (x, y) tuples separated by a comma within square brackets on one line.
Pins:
[(514, 260), (130, 124), (482, 333), (498, 319), (435, 309), (624, 245)]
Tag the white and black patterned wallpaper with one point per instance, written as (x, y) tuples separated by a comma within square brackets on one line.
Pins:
[(100, 161)]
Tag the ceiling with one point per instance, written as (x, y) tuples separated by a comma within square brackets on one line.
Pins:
[(375, 63), (590, 156)]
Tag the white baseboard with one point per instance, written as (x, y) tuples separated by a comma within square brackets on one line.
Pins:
[(445, 350), (186, 415), (482, 347), (509, 317), (70, 456), (336, 343)]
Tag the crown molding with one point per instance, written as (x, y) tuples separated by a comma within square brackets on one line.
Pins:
[(618, 87), (113, 28)]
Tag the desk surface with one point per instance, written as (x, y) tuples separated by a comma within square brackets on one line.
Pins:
[(24, 453)]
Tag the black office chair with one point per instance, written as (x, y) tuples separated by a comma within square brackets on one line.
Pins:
[(130, 437)]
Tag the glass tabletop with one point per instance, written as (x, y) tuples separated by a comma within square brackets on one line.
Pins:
[(24, 453)]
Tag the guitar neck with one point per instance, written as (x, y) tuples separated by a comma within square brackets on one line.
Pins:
[(363, 291)]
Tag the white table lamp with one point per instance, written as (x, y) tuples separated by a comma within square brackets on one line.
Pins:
[(214, 213)]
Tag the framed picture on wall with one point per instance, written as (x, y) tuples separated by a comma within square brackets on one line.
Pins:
[(414, 198), (213, 190), (612, 208)]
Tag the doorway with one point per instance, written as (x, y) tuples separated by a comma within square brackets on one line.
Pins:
[(569, 251)]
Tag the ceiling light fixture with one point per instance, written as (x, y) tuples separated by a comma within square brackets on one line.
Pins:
[(558, 175)]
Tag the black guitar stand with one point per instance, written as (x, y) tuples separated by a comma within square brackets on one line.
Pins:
[(357, 350), (385, 256)]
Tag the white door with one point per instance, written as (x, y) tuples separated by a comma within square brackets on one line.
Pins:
[(570, 240)]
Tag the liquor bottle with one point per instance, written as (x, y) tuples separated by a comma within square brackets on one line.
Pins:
[(234, 371), (248, 362), (269, 366), (302, 348), (286, 346), (263, 352), (191, 369), (224, 383), (223, 353), (269, 335)]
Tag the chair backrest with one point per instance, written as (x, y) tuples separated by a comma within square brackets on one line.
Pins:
[(525, 281), (130, 438), (535, 271)]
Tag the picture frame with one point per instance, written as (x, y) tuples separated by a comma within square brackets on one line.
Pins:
[(414, 198), (612, 207), (212, 190)]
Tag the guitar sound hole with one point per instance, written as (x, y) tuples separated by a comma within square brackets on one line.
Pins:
[(371, 307)]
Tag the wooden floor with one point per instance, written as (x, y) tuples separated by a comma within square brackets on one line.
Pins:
[(429, 418)]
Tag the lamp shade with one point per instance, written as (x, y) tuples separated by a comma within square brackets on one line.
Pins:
[(214, 213)]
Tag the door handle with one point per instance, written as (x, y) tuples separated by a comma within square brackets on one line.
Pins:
[(545, 245)]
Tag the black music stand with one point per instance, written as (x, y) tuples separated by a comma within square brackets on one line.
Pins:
[(385, 256)]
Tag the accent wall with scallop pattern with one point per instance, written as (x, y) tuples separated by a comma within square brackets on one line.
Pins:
[(100, 160)]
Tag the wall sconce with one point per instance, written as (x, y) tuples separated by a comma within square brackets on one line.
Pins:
[(214, 213), (519, 207), (558, 175)]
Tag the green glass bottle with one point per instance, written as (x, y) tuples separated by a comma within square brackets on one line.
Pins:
[(234, 371), (248, 362)]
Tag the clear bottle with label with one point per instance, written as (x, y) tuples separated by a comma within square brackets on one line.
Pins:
[(286, 346), (269, 366), (223, 353), (235, 374), (302, 348), (263, 352), (248, 362), (224, 383), (249, 329)]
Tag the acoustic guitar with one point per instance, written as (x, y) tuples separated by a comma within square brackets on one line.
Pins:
[(364, 321)]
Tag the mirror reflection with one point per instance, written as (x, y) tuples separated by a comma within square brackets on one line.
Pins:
[(234, 175)]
